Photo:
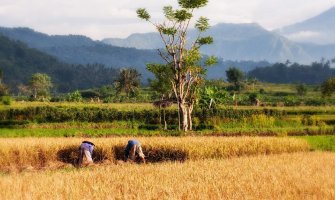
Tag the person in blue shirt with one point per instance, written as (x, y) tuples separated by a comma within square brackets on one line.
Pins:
[(134, 147), (86, 150)]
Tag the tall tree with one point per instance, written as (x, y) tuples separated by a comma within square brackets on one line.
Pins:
[(183, 57), (40, 85), (128, 81), (234, 75)]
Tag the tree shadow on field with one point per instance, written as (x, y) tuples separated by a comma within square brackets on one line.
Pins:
[(154, 155), (71, 155)]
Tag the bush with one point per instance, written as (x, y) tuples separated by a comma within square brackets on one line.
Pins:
[(7, 100), (74, 97), (315, 102), (12, 123), (90, 94), (150, 126), (261, 91), (253, 98)]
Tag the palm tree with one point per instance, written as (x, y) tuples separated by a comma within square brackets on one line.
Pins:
[(128, 81)]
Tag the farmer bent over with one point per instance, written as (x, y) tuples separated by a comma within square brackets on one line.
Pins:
[(86, 149), (134, 147)]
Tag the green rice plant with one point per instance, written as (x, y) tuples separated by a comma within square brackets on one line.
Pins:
[(323, 143)]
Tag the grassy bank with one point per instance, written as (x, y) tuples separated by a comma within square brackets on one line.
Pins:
[(322, 143)]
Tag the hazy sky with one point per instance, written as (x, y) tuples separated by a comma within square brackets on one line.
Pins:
[(100, 19)]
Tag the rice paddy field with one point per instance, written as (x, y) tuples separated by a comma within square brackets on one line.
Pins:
[(306, 175), (148, 106), (236, 159), (19, 154), (177, 168)]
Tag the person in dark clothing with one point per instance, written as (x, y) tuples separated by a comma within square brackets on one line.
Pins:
[(134, 147), (86, 150)]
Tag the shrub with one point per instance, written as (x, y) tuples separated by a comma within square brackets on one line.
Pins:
[(261, 91), (253, 98), (90, 94), (7, 100), (74, 97), (315, 102), (149, 126)]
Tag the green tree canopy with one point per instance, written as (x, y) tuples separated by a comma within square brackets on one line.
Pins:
[(128, 81), (234, 75), (301, 89), (161, 84), (328, 87), (40, 85), (182, 57)]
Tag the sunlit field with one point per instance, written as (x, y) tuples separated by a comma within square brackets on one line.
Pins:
[(286, 176), (50, 153), (149, 106)]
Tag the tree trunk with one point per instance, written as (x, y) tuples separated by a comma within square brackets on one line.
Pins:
[(184, 116), (35, 93), (160, 116), (179, 128), (189, 116), (165, 124)]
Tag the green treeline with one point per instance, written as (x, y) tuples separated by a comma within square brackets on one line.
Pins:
[(315, 73)]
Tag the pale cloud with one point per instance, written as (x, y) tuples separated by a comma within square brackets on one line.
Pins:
[(312, 36), (117, 18), (303, 35)]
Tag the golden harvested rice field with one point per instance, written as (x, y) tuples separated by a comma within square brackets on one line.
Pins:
[(178, 168), (306, 175), (18, 154)]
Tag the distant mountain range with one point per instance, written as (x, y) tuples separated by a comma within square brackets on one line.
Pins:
[(245, 46), (240, 42), (76, 49), (318, 30), (252, 42)]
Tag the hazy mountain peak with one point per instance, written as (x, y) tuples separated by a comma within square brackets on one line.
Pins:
[(319, 29)]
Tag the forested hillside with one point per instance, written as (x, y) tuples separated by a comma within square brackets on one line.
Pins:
[(77, 49), (18, 62)]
